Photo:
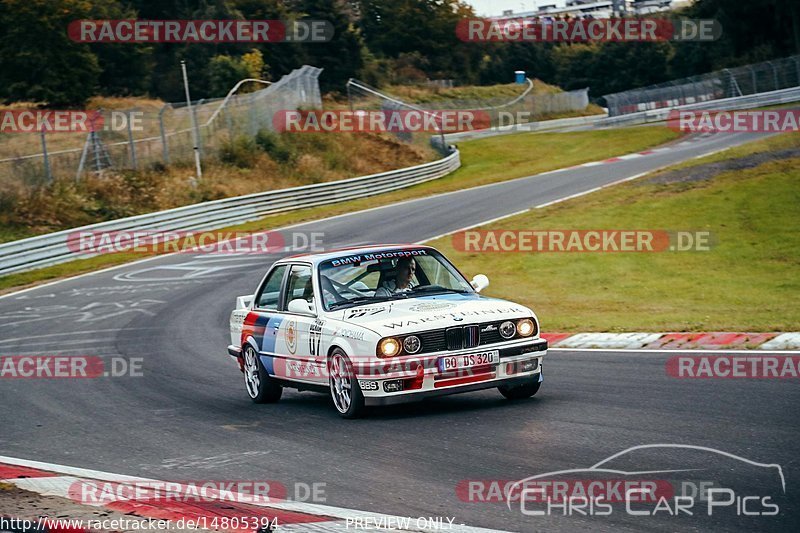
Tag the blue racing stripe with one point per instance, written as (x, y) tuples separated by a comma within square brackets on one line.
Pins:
[(269, 364), (271, 334), (259, 331)]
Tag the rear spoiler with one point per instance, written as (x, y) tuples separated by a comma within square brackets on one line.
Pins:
[(243, 302)]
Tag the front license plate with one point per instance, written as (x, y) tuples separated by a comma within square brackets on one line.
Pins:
[(456, 362)]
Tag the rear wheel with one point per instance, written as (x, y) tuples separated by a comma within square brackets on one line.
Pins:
[(346, 393), (520, 392), (259, 385)]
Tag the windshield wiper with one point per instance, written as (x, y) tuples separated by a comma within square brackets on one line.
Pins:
[(432, 288), (356, 301)]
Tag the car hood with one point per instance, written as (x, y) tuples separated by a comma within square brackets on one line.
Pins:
[(403, 316)]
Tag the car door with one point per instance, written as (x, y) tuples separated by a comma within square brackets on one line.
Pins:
[(300, 336), (263, 322)]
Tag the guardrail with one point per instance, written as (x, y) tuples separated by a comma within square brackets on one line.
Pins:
[(751, 101), (542, 125), (745, 80), (54, 248), (783, 96)]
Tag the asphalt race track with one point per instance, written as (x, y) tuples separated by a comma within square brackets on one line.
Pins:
[(189, 418)]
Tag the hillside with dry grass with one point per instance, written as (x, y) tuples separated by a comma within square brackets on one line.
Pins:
[(242, 164), (245, 165)]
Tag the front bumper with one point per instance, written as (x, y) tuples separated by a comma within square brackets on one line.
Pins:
[(413, 396), (235, 352), (520, 362)]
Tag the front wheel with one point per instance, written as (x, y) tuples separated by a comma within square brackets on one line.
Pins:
[(520, 392), (346, 393), (260, 386)]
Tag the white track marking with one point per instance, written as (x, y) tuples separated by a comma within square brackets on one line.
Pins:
[(546, 204), (117, 330), (785, 341), (576, 195), (609, 340), (48, 353), (675, 351), (515, 213), (59, 486)]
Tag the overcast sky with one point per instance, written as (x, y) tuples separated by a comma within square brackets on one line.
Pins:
[(496, 7)]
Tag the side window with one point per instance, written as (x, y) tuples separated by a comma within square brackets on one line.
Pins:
[(270, 293), (300, 285)]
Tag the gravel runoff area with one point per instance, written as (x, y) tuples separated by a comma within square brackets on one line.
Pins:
[(706, 171), (22, 504)]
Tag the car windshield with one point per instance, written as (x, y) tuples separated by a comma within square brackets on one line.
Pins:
[(386, 275)]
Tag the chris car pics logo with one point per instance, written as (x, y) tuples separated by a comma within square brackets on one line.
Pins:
[(681, 481)]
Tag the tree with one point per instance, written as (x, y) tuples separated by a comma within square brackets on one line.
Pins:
[(125, 69), (752, 31), (224, 72), (254, 62), (340, 58), (423, 27), (38, 61)]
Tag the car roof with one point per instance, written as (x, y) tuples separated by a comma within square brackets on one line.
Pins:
[(317, 258)]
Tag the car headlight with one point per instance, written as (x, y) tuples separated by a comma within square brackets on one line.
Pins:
[(412, 344), (526, 327), (507, 329), (388, 347)]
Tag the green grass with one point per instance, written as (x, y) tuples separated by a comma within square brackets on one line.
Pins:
[(523, 154), (484, 161), (748, 281)]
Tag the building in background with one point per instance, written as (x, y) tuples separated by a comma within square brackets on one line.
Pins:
[(595, 9)]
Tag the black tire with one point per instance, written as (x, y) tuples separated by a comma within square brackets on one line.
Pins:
[(520, 392), (260, 387), (342, 378)]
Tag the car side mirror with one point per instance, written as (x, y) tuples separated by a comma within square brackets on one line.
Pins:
[(479, 282), (300, 306)]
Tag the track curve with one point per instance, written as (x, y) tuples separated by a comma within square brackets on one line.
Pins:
[(189, 418)]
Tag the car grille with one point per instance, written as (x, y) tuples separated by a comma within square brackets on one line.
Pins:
[(454, 338), (433, 341), (460, 337)]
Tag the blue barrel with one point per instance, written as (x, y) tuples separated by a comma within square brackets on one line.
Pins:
[(519, 76)]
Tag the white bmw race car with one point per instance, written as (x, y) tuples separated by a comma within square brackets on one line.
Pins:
[(381, 325)]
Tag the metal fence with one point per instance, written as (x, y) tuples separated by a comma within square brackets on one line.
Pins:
[(363, 97), (54, 248), (728, 83), (528, 104), (163, 135), (525, 107)]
